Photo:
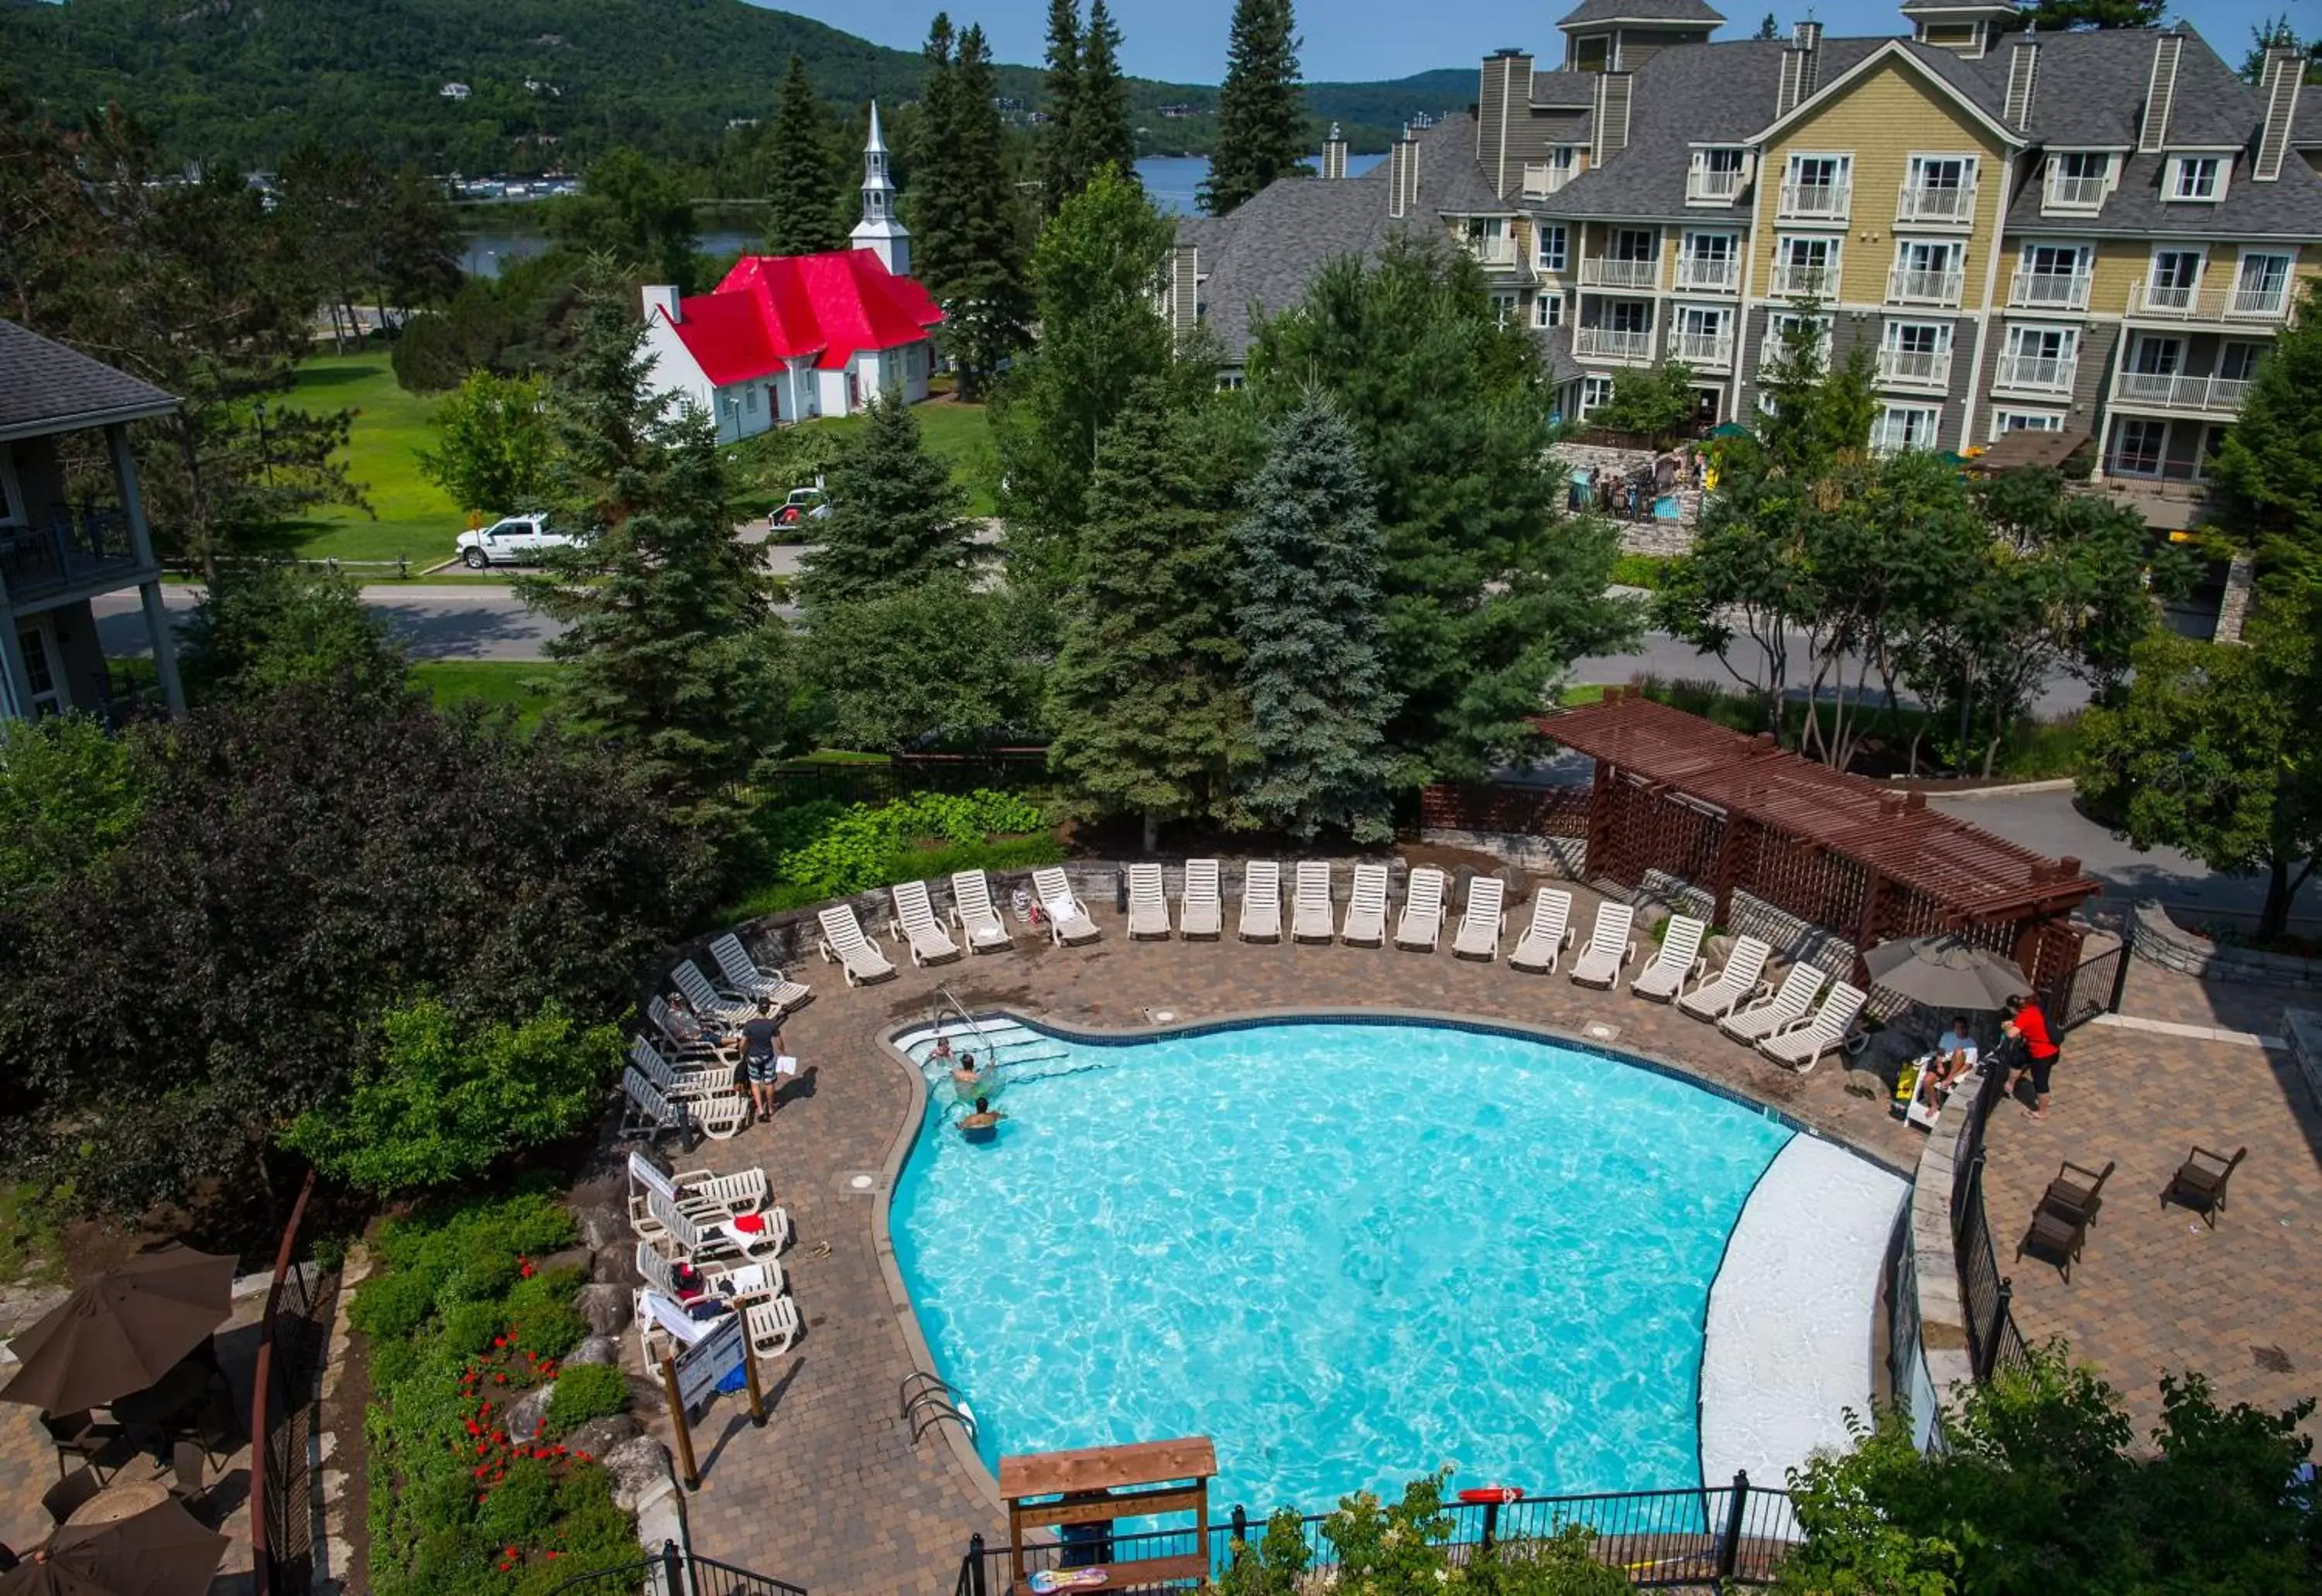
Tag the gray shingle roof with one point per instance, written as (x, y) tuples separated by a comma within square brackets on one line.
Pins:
[(1650, 10), (1562, 90), (2306, 127), (49, 388)]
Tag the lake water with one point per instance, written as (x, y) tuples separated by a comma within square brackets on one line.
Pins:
[(1174, 182)]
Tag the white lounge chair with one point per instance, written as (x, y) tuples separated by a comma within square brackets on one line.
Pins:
[(843, 942), (972, 912), (1784, 1009), (713, 1079), (1599, 964), (1310, 902), (1149, 906), (1261, 901), (916, 927), (1068, 917), (1678, 961), (683, 1038), (1199, 912), (702, 1194), (652, 1111), (1420, 927), (664, 1329), (1484, 923), (712, 1241), (1744, 978), (743, 974), (706, 1001), (1801, 1045), (1550, 934), (772, 1323), (1365, 922), (737, 1284)]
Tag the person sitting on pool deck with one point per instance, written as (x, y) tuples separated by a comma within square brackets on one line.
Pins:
[(984, 1125), (1955, 1053)]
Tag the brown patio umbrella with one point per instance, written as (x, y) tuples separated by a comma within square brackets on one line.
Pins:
[(1945, 971), (122, 1330), (160, 1552)]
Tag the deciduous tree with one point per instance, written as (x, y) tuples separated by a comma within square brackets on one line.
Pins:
[(938, 663), (1657, 401), (491, 448), (636, 212), (1261, 113), (260, 628)]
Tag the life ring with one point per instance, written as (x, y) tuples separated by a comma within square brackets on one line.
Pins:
[(1490, 1493)]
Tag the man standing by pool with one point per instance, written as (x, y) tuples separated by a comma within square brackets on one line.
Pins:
[(2028, 1028)]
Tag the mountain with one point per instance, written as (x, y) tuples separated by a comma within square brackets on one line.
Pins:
[(547, 83)]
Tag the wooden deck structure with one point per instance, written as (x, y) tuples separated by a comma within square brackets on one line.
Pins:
[(1728, 813), (1097, 1484)]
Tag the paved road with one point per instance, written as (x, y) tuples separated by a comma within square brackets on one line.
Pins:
[(1663, 656), (446, 621)]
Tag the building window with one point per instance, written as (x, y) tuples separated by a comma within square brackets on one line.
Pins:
[(1230, 381), (1594, 391), (1629, 316), (2238, 362), (1903, 426), (2077, 180), (1547, 310), (2176, 279), (11, 498), (1635, 243), (1816, 186), (1551, 246), (1503, 305), (2157, 357), (1926, 271), (2262, 288), (2143, 441), (2004, 422), (1805, 268), (1779, 329), (2197, 177)]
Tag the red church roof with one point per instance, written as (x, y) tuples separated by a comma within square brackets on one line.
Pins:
[(772, 307)]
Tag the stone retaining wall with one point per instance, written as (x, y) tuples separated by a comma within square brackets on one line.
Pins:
[(1567, 857), (2303, 1028), (2160, 940), (1942, 1309)]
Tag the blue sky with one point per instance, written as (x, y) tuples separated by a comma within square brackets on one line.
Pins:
[(1184, 40)]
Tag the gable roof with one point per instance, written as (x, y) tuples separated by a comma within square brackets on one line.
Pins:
[(51, 388), (1941, 68), (774, 308), (1591, 12)]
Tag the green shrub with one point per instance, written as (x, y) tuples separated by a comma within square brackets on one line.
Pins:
[(469, 1326), (860, 849), (522, 1510), (390, 1306), (583, 1393), (551, 1329)]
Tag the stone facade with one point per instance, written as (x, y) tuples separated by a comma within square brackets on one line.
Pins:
[(1649, 535), (2160, 940)]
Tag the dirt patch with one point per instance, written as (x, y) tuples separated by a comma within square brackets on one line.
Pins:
[(1449, 859)]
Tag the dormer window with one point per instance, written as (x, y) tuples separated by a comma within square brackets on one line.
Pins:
[(2076, 179), (1716, 175), (2196, 178)]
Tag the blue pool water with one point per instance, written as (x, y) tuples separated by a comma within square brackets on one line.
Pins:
[(1349, 1253)]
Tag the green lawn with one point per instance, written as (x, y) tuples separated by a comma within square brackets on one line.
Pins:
[(961, 433), (416, 520), (492, 683)]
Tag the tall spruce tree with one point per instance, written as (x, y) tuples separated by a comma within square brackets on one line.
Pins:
[(969, 246), (1148, 717), (1309, 623), (894, 519), (1060, 174), (675, 652), (1261, 113), (801, 202), (1101, 133)]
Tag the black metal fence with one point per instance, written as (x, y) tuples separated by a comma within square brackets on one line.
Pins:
[(1735, 1533), (2092, 987), (1992, 1337), (292, 1340), (677, 1572)]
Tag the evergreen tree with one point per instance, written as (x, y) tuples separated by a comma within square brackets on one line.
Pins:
[(1261, 113), (894, 519), (800, 200), (673, 648), (969, 247), (2267, 465), (1310, 620), (1149, 718), (1102, 134), (1060, 174), (2055, 15), (1769, 28)]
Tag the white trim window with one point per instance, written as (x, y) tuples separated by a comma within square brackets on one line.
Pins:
[(1771, 350), (2176, 280), (1702, 334), (1709, 260), (1806, 267), (1547, 309), (1927, 272), (2262, 286), (1905, 426), (2140, 447), (2076, 179), (1716, 175), (2238, 362), (1505, 302), (2053, 277), (1939, 189), (1915, 353), (1817, 185), (2196, 179), (2045, 358), (2005, 420), (1552, 246), (1595, 393)]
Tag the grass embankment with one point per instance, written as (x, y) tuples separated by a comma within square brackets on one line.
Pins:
[(769, 465), (415, 521), (525, 685)]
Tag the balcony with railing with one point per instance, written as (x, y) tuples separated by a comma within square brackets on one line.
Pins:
[(1612, 343), (1703, 187), (2039, 374), (2169, 390), (1708, 274), (1607, 271), (1541, 180), (2237, 302), (1703, 351), (1804, 282), (1924, 204), (1915, 367), (1499, 253), (2049, 290), (1772, 352), (1815, 200), (90, 548), (2072, 193), (1908, 287)]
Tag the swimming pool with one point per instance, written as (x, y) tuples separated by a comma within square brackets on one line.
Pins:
[(1348, 1252)]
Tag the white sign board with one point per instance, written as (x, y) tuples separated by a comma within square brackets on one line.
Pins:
[(701, 1367)]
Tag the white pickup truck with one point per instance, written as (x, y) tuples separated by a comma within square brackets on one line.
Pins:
[(513, 540)]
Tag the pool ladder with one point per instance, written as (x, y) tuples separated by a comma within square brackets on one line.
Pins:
[(927, 1401)]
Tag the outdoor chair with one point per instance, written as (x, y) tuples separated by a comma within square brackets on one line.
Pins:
[(664, 1329), (1609, 947), (1550, 934), (1199, 913), (915, 926), (186, 1460), (700, 1194), (1420, 927), (1800, 1046), (1261, 901), (1743, 977), (736, 1284), (2060, 1236), (706, 1001), (1068, 917), (221, 1426), (1310, 902), (713, 1079), (1678, 961), (651, 1111), (773, 1325), (1484, 923), (687, 1042), (99, 1446), (742, 973), (1784, 1009), (69, 1495), (713, 1241), (1365, 922), (2077, 1192), (972, 912), (1149, 905), (2199, 1182), (842, 942)]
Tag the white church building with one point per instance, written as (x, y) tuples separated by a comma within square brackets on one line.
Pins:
[(786, 337)]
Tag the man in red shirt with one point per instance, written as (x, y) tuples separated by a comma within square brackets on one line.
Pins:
[(2035, 1049)]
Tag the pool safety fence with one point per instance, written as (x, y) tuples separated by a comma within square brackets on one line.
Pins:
[(1736, 1533), (1993, 1339), (674, 1572)]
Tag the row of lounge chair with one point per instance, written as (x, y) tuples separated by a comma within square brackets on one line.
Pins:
[(729, 1234)]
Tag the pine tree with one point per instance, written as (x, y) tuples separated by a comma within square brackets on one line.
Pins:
[(1309, 624), (970, 247), (1769, 28), (800, 202), (1148, 715), (895, 516), (1060, 175), (1261, 113), (673, 648), (1102, 135)]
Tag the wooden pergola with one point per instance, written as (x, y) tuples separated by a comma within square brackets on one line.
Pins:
[(1728, 812), (1097, 1484)]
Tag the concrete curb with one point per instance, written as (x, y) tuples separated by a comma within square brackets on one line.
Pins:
[(2013, 789)]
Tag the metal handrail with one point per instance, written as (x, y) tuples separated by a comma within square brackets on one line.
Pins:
[(944, 996)]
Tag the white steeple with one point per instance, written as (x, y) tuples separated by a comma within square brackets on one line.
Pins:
[(879, 232)]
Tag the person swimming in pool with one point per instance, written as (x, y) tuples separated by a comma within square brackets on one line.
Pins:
[(984, 1125)]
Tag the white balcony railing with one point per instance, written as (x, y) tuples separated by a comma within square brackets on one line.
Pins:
[(2049, 290), (1602, 272), (1815, 199), (1612, 343), (1542, 180), (2240, 303), (1706, 187), (1923, 287), (2167, 299), (1702, 349), (1494, 252), (2046, 374), (2072, 193), (1709, 273), (2174, 392), (1915, 367), (1815, 282), (2259, 303), (1772, 352), (1935, 204)]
